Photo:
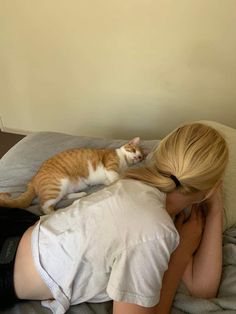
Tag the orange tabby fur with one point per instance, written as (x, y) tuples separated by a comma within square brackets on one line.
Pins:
[(73, 170)]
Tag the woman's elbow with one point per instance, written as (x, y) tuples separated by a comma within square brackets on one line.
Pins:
[(204, 292)]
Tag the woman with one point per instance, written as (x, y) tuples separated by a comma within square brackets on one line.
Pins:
[(121, 243)]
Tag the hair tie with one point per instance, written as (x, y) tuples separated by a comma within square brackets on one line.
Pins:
[(176, 181)]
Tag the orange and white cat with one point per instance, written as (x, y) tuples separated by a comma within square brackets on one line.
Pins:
[(74, 170)]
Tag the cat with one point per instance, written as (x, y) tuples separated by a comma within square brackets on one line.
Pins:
[(74, 170)]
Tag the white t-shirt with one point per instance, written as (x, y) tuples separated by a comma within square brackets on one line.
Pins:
[(113, 244)]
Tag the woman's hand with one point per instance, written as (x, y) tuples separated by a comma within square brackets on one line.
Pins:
[(190, 230)]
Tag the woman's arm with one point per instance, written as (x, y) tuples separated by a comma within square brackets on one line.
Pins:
[(203, 273), (190, 236), (178, 262)]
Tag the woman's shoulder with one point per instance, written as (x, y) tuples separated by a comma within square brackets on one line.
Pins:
[(142, 195), (137, 186)]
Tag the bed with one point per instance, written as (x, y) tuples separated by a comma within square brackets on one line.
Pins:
[(21, 163)]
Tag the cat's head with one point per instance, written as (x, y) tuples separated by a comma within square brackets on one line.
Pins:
[(133, 153)]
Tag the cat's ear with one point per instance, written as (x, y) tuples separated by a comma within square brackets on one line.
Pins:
[(135, 141)]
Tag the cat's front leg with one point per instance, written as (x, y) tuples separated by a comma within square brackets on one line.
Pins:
[(111, 176)]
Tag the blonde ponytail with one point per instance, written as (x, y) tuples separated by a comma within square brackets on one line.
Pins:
[(195, 154)]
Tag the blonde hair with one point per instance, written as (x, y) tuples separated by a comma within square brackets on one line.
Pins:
[(196, 154)]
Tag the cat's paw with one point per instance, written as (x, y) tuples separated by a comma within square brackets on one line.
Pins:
[(5, 195), (76, 195), (111, 176), (48, 210), (107, 182)]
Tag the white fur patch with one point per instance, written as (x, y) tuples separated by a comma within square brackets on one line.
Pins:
[(96, 176)]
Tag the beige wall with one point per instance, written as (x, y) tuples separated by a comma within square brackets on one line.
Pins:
[(116, 68)]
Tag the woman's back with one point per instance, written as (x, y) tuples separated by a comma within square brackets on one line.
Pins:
[(101, 241)]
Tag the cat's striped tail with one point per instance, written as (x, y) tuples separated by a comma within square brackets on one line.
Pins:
[(22, 201)]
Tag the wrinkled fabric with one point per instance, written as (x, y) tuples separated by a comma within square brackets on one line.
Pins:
[(112, 245)]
